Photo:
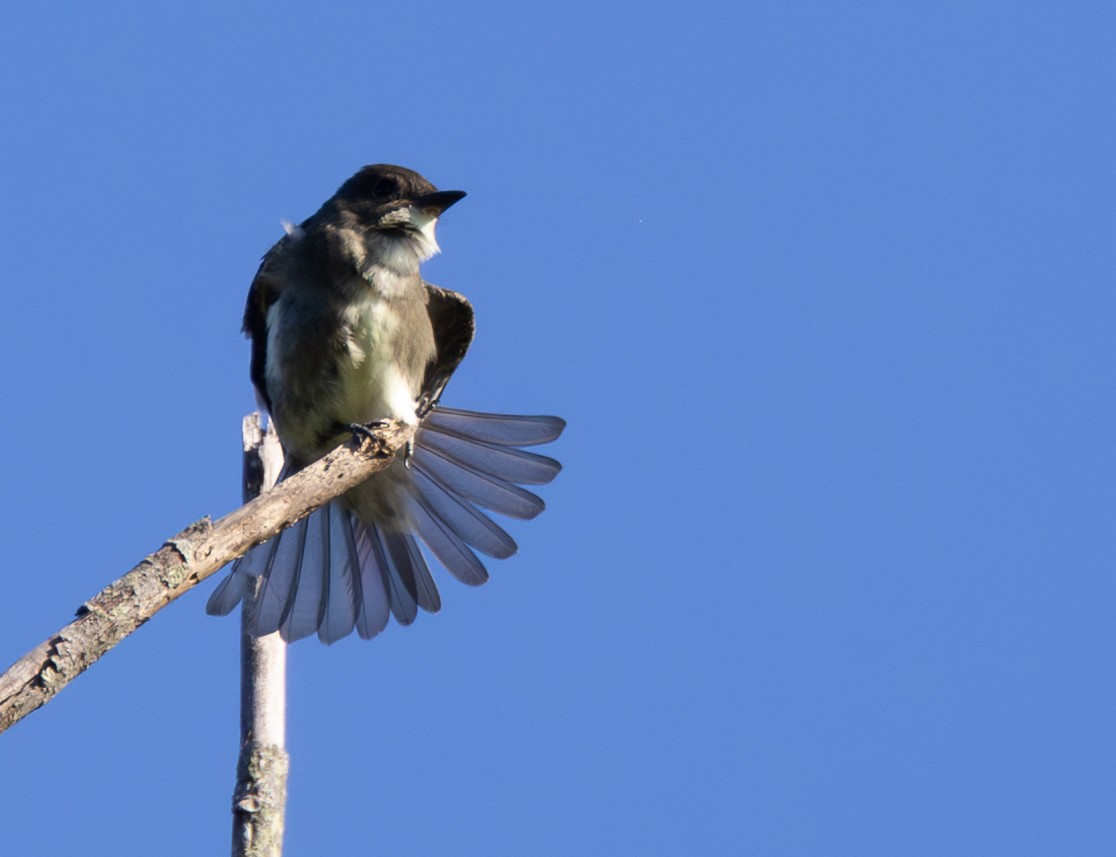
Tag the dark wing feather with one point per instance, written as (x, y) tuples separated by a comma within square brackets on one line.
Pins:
[(263, 292), (451, 316)]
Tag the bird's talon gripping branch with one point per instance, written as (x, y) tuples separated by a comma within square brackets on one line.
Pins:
[(362, 432)]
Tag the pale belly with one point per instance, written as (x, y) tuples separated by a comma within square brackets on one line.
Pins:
[(374, 382), (365, 362)]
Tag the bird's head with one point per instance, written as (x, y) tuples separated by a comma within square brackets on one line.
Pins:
[(397, 207)]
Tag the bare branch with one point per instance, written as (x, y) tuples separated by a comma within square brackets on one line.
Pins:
[(260, 795), (180, 564)]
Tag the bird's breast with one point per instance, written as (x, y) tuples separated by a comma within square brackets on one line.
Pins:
[(357, 362), (378, 377)]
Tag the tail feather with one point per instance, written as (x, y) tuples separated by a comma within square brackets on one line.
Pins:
[(227, 595), (507, 463), (445, 544), (259, 562), (500, 429), (402, 601), (406, 551), (309, 587), (339, 555), (487, 490), (375, 605), (332, 572), (463, 518), (282, 580)]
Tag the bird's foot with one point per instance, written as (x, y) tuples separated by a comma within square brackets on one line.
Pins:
[(366, 432)]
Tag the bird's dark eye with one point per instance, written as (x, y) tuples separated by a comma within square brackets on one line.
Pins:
[(386, 188)]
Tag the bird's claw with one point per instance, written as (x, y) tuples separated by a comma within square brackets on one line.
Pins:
[(366, 432), (362, 432)]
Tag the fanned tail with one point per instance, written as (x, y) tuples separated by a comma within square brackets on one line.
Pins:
[(332, 573)]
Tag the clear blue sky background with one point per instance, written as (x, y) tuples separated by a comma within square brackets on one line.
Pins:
[(825, 291)]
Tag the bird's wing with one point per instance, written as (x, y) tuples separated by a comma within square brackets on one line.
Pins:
[(263, 292), (451, 316)]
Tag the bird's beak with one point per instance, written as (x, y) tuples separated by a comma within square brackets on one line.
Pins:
[(439, 200)]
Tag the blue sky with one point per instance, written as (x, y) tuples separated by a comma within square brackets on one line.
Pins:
[(824, 291)]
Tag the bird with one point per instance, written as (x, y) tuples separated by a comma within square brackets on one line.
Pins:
[(345, 334)]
